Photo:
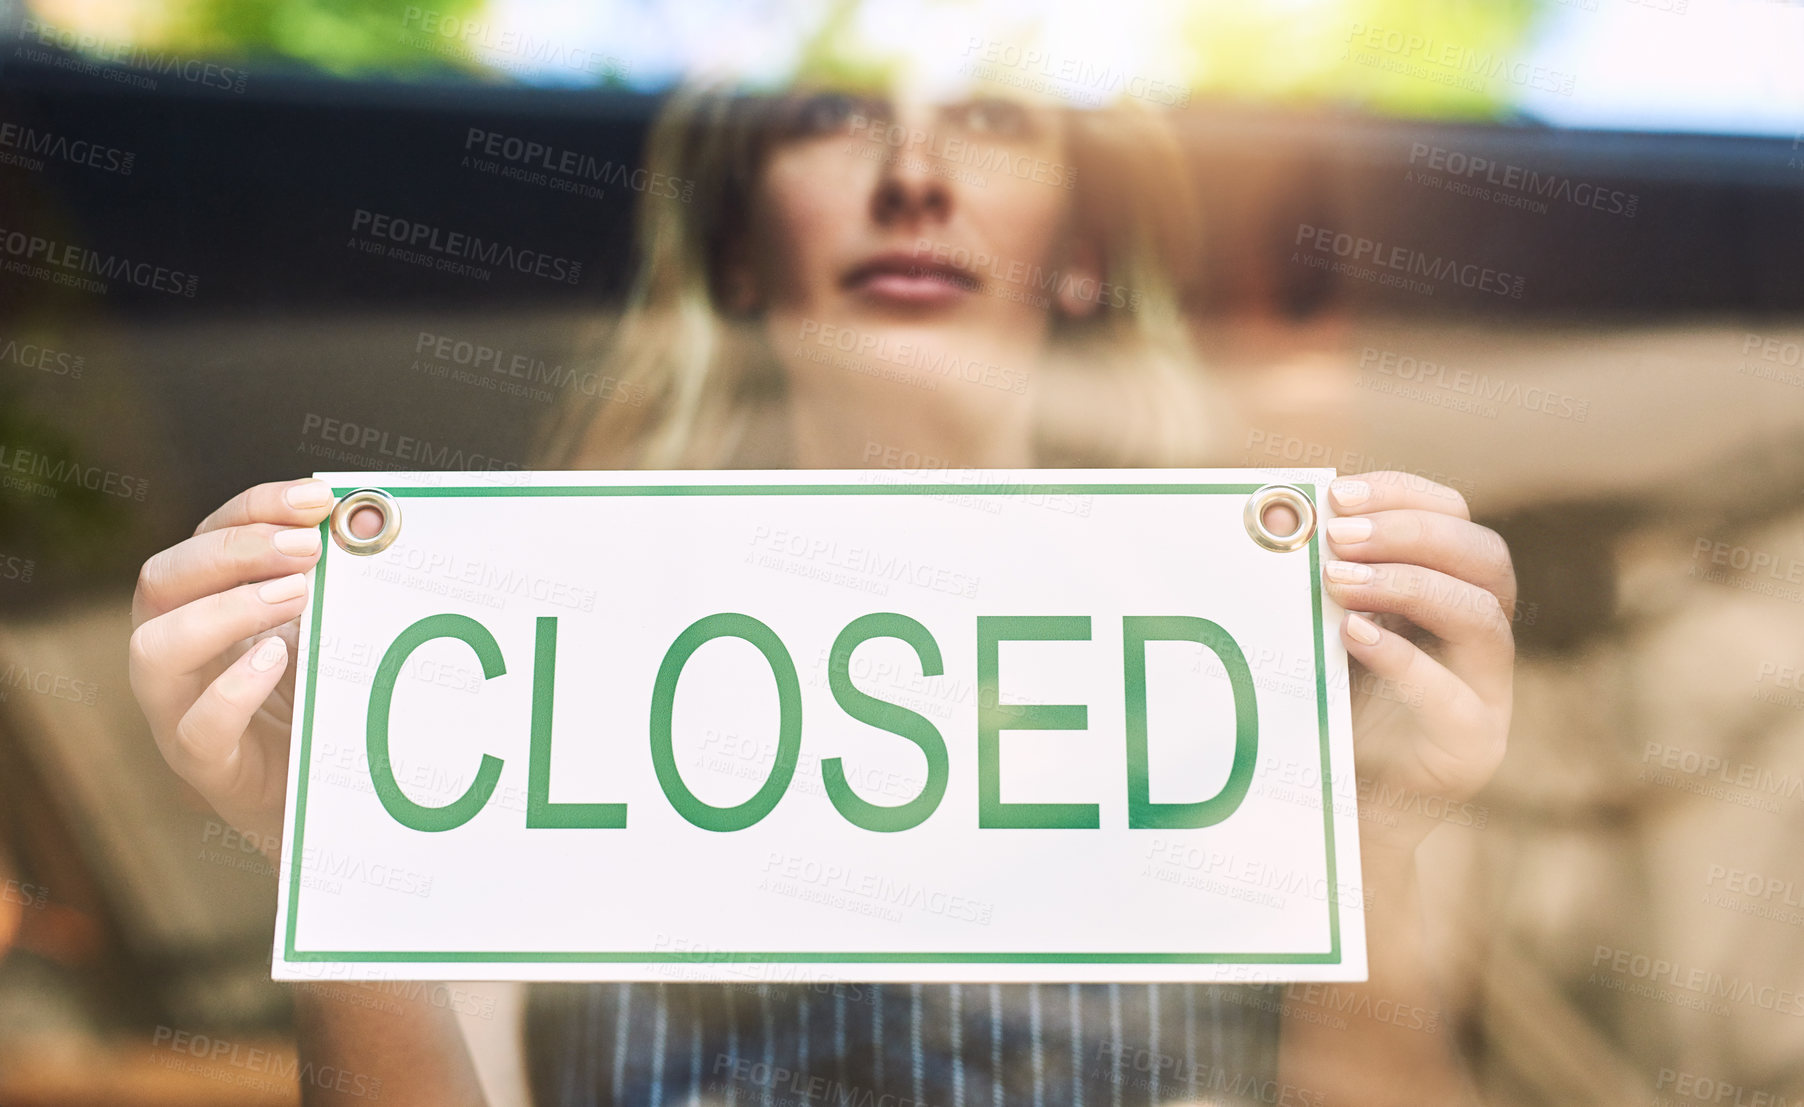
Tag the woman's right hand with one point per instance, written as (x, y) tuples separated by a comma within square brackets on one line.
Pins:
[(209, 665), (215, 619)]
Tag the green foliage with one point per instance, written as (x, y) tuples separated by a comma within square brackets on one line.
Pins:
[(346, 37), (1284, 51), (1320, 53), (63, 521)]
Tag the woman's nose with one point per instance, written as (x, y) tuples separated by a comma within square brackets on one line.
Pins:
[(909, 192)]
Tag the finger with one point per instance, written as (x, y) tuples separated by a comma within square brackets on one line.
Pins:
[(177, 643), (216, 560), (1434, 540), (1478, 646), (1388, 490), (1448, 706), (205, 746), (290, 503)]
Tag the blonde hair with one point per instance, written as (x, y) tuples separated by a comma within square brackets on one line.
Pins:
[(693, 386)]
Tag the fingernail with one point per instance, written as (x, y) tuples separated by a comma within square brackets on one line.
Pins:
[(1350, 493), (1349, 572), (314, 493), (268, 653), (283, 589), (301, 541), (1348, 531), (1362, 629)]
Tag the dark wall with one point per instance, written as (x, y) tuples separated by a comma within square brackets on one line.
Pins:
[(255, 194)]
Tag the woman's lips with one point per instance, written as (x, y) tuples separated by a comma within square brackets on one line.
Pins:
[(908, 280)]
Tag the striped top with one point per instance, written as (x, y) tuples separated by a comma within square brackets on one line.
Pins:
[(901, 1045)]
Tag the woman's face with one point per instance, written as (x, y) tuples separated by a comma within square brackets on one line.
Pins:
[(911, 252)]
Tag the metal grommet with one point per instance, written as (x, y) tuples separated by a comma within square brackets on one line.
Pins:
[(340, 525), (1290, 496)]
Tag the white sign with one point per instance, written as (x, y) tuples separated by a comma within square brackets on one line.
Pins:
[(1056, 725)]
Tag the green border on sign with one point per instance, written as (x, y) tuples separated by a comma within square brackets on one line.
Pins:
[(1331, 957)]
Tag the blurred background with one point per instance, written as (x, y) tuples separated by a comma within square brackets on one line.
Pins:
[(1625, 403)]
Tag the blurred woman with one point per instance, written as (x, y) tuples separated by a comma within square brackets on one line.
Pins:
[(917, 270), (850, 274)]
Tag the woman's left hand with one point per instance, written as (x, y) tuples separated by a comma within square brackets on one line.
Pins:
[(1431, 710)]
